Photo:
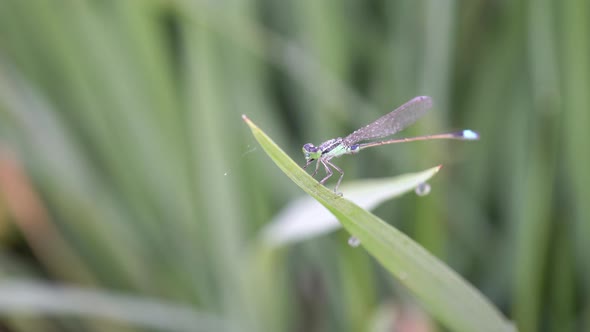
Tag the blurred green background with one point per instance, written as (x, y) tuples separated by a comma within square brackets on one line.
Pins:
[(125, 167)]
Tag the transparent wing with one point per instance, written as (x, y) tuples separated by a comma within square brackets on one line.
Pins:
[(391, 122)]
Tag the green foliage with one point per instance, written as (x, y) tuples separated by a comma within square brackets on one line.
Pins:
[(125, 167)]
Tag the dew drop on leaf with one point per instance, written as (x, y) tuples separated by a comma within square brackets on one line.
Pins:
[(353, 242), (423, 189)]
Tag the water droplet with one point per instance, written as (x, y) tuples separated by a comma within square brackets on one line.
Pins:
[(225, 174), (423, 189), (353, 242)]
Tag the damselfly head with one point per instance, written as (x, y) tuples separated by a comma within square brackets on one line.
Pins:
[(311, 152)]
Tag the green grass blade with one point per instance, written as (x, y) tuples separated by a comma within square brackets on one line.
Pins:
[(305, 218), (28, 297), (448, 297)]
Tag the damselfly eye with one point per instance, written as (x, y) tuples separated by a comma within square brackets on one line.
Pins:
[(310, 148)]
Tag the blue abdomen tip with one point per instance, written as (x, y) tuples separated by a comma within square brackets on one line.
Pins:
[(470, 134)]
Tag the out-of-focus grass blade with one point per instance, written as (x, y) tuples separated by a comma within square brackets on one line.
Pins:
[(35, 298), (448, 297), (305, 218), (574, 53)]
